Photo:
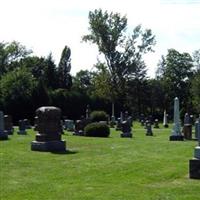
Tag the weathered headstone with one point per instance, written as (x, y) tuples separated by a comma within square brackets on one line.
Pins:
[(194, 164), (187, 127), (126, 130), (48, 137), (119, 124), (196, 128), (142, 122), (22, 128), (27, 124), (176, 131), (35, 123), (88, 111), (165, 121), (79, 127), (3, 133), (156, 125), (8, 125), (69, 125), (149, 129), (112, 122)]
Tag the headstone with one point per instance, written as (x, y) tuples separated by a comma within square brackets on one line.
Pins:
[(165, 121), (22, 128), (88, 111), (79, 127), (121, 117), (176, 131), (8, 125), (126, 130), (187, 127), (69, 125), (112, 122), (142, 122), (130, 120), (156, 125), (149, 129), (48, 137), (196, 127), (3, 133), (27, 124), (194, 164), (119, 124)]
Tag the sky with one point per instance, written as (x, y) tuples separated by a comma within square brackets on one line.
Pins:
[(48, 25)]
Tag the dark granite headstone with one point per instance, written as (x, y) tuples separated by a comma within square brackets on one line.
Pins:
[(22, 128), (156, 125), (187, 127), (49, 130), (3, 133), (8, 125), (119, 124), (126, 129), (149, 129)]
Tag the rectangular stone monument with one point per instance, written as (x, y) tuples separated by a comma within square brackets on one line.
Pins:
[(187, 127), (126, 130), (8, 125), (22, 128), (176, 131), (194, 164), (165, 121), (3, 133)]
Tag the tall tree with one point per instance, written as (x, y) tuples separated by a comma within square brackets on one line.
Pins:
[(64, 67), (176, 70), (123, 54)]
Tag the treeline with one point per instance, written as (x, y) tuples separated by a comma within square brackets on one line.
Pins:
[(28, 82)]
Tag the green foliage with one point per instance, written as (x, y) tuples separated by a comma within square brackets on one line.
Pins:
[(64, 67), (123, 54), (97, 129), (97, 116), (10, 55)]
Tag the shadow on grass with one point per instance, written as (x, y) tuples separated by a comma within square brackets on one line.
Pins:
[(64, 152)]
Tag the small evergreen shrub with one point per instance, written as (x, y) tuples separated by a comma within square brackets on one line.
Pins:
[(97, 116), (97, 129)]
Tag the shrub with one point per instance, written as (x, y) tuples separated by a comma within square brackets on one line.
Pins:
[(97, 129), (97, 116)]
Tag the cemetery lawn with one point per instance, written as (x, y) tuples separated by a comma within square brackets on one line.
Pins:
[(141, 168)]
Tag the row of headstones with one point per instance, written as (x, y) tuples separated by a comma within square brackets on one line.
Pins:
[(6, 126)]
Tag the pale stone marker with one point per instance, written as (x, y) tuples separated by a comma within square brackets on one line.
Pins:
[(176, 131), (194, 164), (3, 133), (165, 121), (49, 130)]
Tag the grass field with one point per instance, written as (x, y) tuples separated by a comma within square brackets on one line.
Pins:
[(141, 168)]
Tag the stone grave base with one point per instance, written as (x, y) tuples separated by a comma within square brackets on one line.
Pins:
[(79, 133), (48, 146), (197, 152), (3, 136), (194, 168), (126, 135), (176, 138), (166, 126)]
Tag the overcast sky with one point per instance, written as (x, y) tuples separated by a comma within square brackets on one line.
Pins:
[(48, 25)]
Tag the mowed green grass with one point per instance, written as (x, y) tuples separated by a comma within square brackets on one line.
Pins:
[(143, 167)]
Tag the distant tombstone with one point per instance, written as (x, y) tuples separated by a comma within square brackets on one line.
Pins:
[(8, 125), (69, 125), (121, 117), (146, 122), (88, 111), (142, 122), (48, 137), (187, 127), (176, 131), (3, 133), (79, 128), (142, 117), (196, 127), (119, 124), (130, 120), (126, 130), (165, 121), (156, 125), (27, 124), (149, 129), (22, 127), (194, 164), (112, 122)]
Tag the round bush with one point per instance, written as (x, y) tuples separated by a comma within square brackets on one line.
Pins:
[(97, 116), (97, 129)]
